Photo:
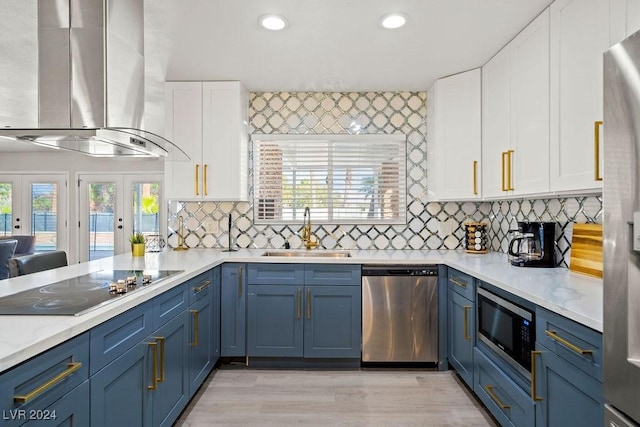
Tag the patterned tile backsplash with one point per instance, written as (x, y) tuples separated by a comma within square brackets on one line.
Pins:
[(371, 112)]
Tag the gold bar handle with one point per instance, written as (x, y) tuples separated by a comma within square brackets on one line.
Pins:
[(554, 336), (161, 341), (71, 368), (475, 177), (196, 327), (504, 155), (466, 322), (308, 304), (154, 347), (299, 299), (457, 282), (204, 285), (596, 149), (197, 173), (239, 282), (510, 170), (495, 398), (204, 180), (534, 391)]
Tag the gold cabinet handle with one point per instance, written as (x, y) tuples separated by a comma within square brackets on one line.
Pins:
[(196, 328), (466, 322), (299, 299), (502, 169), (510, 170), (196, 181), (204, 180), (161, 341), (495, 398), (239, 282), (458, 282), (308, 304), (475, 177), (554, 336), (534, 391), (24, 398), (596, 149), (154, 382), (204, 285)]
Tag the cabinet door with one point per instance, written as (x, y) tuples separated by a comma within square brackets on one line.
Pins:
[(183, 127), (457, 137), (569, 396), (529, 158), (274, 321), (120, 392), (496, 122), (625, 19), (461, 335), (332, 316), (71, 410), (233, 311), (201, 342), (172, 394), (215, 325), (579, 36)]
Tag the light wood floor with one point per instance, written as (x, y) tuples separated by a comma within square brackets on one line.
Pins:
[(334, 398)]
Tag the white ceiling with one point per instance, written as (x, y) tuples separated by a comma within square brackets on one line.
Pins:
[(330, 45)]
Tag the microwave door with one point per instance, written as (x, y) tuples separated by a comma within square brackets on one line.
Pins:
[(621, 194)]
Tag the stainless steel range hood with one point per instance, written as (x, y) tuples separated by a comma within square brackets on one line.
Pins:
[(90, 94)]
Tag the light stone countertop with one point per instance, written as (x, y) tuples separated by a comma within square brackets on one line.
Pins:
[(572, 295)]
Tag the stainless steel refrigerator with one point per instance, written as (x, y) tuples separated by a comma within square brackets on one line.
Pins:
[(621, 197)]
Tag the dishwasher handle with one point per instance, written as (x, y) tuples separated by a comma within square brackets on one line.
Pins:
[(400, 270)]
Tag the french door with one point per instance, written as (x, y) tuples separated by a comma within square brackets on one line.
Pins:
[(112, 207), (35, 204)]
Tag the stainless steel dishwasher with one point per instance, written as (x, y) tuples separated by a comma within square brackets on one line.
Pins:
[(399, 313)]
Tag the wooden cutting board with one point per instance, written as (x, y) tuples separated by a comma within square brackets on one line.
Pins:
[(586, 249)]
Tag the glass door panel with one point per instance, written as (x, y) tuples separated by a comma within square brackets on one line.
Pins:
[(44, 215), (145, 204), (102, 200), (7, 203)]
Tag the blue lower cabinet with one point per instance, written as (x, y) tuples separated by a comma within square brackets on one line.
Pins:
[(567, 395), (71, 410), (461, 333), (332, 322), (275, 322), (202, 325), (233, 311), (506, 401)]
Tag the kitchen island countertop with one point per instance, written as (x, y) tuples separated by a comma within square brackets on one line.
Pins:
[(572, 295)]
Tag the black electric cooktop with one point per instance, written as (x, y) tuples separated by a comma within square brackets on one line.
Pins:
[(74, 297)]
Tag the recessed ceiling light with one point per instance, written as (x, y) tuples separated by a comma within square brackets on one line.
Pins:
[(273, 22), (392, 21)]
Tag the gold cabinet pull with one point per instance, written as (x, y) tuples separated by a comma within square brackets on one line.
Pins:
[(196, 181), (504, 155), (299, 309), (510, 170), (196, 328), (466, 322), (495, 398), (204, 180), (475, 177), (24, 398), (204, 285), (308, 304), (154, 366), (534, 390), (239, 282), (596, 149), (554, 336), (458, 282), (161, 341)]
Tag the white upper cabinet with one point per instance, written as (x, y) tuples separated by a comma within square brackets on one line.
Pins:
[(515, 138), (208, 120), (579, 32), (454, 148), (624, 19)]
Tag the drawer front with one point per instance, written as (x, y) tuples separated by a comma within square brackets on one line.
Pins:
[(168, 305), (71, 410), (200, 286), (577, 344), (41, 381), (275, 274), (507, 402), (332, 274), (461, 283), (111, 339)]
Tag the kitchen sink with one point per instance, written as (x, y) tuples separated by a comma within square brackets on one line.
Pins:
[(310, 254)]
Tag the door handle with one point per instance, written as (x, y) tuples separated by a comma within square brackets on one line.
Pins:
[(534, 390), (16, 226), (24, 398), (596, 149), (196, 331), (239, 282), (204, 180), (196, 182), (466, 322), (475, 177), (161, 341), (308, 304), (510, 170), (154, 382)]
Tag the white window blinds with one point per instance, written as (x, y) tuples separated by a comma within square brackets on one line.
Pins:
[(341, 178)]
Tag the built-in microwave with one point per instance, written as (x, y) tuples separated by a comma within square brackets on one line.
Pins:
[(507, 328)]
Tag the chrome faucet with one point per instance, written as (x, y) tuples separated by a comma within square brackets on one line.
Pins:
[(307, 237)]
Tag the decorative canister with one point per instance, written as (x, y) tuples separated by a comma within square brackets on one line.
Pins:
[(476, 240)]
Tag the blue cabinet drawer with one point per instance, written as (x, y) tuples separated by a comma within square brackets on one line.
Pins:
[(275, 274), (71, 410), (169, 304), (41, 381), (506, 401), (200, 286), (332, 274), (113, 338), (579, 345), (461, 283)]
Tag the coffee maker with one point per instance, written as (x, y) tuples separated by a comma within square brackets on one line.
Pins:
[(533, 245)]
